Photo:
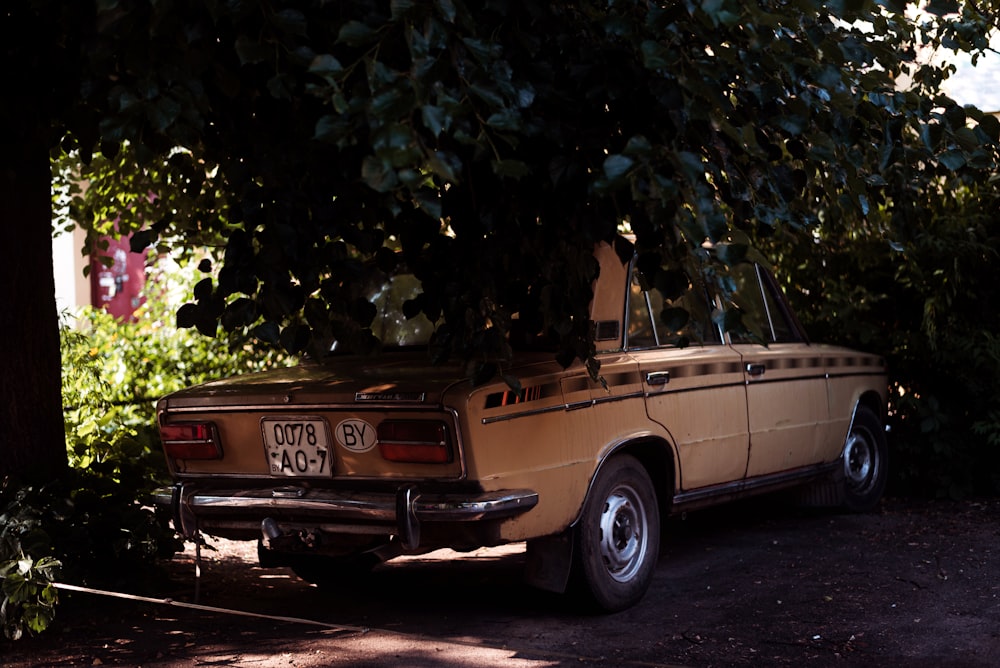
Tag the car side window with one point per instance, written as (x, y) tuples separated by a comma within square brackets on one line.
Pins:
[(764, 313), (655, 321)]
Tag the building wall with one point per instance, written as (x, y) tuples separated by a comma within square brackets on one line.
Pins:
[(72, 287)]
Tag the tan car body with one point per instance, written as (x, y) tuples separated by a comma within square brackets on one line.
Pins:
[(708, 422)]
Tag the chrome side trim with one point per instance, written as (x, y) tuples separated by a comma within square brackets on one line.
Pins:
[(562, 407), (746, 487), (391, 397)]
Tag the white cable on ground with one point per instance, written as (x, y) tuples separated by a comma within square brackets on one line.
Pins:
[(207, 608), (350, 629)]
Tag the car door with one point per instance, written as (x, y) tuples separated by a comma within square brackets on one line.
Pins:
[(787, 402), (693, 385)]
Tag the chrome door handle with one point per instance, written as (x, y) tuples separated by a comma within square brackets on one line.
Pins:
[(657, 377), (756, 369)]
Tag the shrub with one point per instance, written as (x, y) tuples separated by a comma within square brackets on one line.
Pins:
[(27, 567), (922, 293), (94, 526)]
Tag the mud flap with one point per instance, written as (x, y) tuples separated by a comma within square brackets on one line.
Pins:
[(550, 561)]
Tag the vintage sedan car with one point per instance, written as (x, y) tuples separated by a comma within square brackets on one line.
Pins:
[(334, 466)]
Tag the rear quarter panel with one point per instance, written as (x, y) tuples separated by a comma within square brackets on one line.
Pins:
[(554, 444)]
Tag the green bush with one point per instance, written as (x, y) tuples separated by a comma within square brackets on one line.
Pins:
[(94, 526), (921, 292), (27, 567), (113, 374)]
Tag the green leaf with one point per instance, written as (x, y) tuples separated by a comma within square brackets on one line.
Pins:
[(325, 64), (186, 316), (329, 128), (444, 165), (616, 166), (203, 289), (967, 139), (291, 21), (863, 204), (398, 9), (355, 33), (429, 202), (655, 56), (435, 119), (637, 146), (251, 51), (515, 169), (991, 126), (508, 120), (240, 313), (674, 318), (942, 7), (267, 332), (141, 240), (378, 175), (38, 617), (732, 253), (953, 159), (446, 8), (692, 165)]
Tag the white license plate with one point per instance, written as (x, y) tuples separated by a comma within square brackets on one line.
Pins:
[(297, 447)]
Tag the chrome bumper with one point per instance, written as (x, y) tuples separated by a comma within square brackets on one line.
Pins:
[(399, 513)]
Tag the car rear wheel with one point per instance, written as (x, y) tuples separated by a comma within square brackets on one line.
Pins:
[(865, 461), (618, 536)]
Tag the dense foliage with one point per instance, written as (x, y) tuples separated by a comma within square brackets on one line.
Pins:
[(92, 526), (114, 372), (492, 143), (928, 305)]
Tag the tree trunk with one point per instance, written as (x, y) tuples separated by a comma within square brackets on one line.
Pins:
[(32, 438)]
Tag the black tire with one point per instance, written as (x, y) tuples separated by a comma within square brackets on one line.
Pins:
[(865, 460), (617, 537)]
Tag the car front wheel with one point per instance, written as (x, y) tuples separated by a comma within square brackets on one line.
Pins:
[(618, 536), (865, 461)]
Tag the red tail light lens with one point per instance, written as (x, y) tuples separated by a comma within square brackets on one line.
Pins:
[(191, 440), (414, 441)]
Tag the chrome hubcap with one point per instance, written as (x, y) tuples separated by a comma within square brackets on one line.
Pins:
[(859, 461), (623, 533)]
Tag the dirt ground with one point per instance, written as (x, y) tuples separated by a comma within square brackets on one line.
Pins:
[(759, 583)]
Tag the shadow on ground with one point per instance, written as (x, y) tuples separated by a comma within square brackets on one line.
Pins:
[(757, 583)]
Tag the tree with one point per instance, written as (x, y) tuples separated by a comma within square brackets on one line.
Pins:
[(930, 306), (31, 427), (493, 143)]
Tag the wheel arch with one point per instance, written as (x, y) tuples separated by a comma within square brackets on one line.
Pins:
[(872, 400), (656, 456)]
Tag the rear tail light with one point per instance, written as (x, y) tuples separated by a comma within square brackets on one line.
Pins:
[(414, 441), (191, 440)]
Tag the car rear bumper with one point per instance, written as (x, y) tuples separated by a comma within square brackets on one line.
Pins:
[(195, 508)]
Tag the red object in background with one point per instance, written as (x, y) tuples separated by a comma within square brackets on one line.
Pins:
[(118, 288)]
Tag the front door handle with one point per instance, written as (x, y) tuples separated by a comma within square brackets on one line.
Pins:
[(657, 377), (755, 369)]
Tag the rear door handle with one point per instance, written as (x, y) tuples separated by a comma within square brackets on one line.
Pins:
[(756, 369)]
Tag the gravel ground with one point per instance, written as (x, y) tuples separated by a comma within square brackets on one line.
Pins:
[(758, 583)]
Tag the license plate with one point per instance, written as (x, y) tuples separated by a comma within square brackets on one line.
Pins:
[(297, 447)]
